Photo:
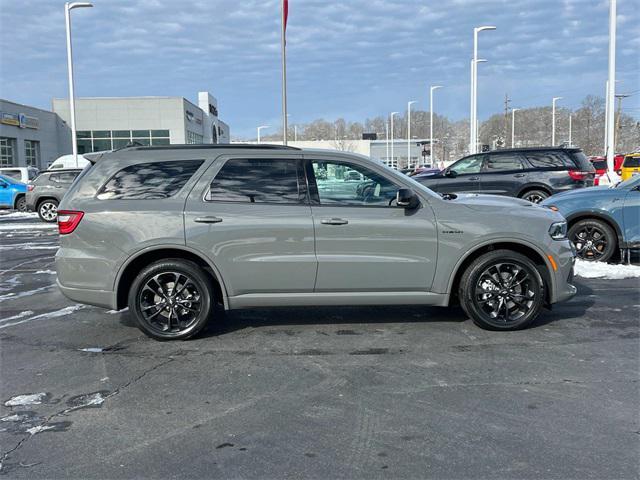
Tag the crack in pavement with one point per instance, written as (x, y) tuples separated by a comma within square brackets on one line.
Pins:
[(5, 456)]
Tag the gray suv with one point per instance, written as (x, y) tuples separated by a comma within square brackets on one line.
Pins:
[(46, 191), (172, 231)]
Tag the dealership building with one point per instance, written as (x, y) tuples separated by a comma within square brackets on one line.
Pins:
[(30, 136), (105, 123)]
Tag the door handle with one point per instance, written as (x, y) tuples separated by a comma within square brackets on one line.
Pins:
[(519, 175), (334, 221), (471, 179), (207, 220)]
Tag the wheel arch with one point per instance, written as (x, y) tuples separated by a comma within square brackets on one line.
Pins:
[(138, 261), (531, 252), (45, 198), (534, 186), (576, 217), (18, 196)]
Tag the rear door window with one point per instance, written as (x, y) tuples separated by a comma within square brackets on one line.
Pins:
[(259, 180), (504, 162), (64, 178), (149, 181)]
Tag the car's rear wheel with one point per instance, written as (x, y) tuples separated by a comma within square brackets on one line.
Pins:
[(502, 290), (595, 241), (171, 299), (48, 210), (21, 204), (535, 196)]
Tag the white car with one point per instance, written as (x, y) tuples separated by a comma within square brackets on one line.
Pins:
[(21, 174), (69, 161)]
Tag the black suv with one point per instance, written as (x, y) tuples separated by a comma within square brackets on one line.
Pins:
[(530, 173)]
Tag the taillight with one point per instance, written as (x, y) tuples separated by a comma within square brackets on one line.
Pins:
[(579, 175), (68, 220), (30, 188)]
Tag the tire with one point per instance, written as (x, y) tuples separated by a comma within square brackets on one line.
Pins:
[(502, 290), (21, 204), (171, 315), (48, 210), (535, 196), (595, 240)]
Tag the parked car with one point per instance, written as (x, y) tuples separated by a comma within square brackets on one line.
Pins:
[(69, 161), (46, 191), (529, 173), (12, 193), (21, 174), (602, 220), (170, 231), (630, 166), (600, 164)]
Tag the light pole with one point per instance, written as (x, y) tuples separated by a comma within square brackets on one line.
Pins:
[(611, 90), (513, 127), (295, 133), (409, 132), (570, 128), (553, 120), (474, 88), (392, 137), (260, 128), (72, 103), (431, 90), (386, 135)]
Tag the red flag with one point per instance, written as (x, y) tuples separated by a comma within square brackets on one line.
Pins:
[(285, 13)]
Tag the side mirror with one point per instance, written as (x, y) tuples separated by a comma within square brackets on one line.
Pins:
[(407, 198), (451, 173)]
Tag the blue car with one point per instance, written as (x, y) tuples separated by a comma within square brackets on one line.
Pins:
[(602, 219), (12, 194)]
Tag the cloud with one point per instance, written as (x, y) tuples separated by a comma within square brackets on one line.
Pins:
[(345, 58)]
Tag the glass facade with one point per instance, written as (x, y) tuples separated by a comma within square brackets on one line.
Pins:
[(98, 140), (193, 137), (31, 152), (7, 152)]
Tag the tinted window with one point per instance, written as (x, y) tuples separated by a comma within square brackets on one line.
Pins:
[(347, 184), (15, 174), (146, 181), (600, 164), (631, 162), (258, 181), (468, 165), (503, 162), (63, 177), (550, 160)]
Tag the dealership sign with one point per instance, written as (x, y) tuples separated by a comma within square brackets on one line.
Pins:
[(19, 120)]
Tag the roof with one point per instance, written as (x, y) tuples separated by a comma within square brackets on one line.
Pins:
[(530, 149), (211, 146)]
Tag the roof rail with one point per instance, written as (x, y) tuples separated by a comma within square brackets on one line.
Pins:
[(208, 146)]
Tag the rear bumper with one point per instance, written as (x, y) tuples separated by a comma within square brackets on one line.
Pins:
[(99, 298)]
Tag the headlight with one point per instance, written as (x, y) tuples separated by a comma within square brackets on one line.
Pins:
[(558, 230)]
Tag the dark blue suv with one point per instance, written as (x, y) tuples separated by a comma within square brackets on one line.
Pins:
[(529, 173)]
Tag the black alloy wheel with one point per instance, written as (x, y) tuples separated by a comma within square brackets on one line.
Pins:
[(502, 290), (595, 241)]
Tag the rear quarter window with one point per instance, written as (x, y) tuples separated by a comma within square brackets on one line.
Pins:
[(632, 162), (149, 181), (552, 159)]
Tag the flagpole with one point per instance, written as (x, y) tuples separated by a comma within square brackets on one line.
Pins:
[(283, 45)]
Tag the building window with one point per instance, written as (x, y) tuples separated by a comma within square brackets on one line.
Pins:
[(98, 140), (193, 137), (7, 152), (32, 152)]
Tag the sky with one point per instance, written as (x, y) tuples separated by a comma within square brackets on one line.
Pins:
[(352, 59)]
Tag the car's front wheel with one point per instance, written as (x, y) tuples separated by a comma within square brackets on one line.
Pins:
[(502, 290), (595, 241), (48, 210), (171, 299)]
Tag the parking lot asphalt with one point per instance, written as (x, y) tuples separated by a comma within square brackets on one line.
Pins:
[(357, 392)]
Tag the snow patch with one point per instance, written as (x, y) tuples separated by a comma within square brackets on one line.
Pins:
[(26, 226), (18, 214), (26, 313), (606, 271), (46, 272), (27, 399), (58, 313), (39, 428), (92, 349), (13, 296)]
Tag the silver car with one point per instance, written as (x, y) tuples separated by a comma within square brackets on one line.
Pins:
[(172, 231)]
